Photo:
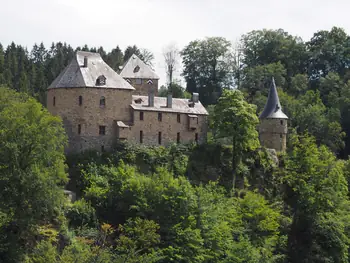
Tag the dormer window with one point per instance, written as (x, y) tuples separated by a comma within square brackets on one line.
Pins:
[(128, 80), (138, 101), (136, 69), (101, 80), (150, 82)]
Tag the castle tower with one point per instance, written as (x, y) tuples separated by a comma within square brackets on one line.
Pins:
[(273, 122)]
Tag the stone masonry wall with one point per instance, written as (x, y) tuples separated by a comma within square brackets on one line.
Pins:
[(90, 115), (169, 127), (143, 88), (273, 133)]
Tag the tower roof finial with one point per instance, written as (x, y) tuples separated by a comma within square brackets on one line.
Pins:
[(273, 109)]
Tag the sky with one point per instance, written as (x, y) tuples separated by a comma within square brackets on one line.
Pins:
[(154, 24)]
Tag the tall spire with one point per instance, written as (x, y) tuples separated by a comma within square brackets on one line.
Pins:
[(273, 109)]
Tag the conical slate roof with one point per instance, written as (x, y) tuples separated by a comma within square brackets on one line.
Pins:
[(273, 109)]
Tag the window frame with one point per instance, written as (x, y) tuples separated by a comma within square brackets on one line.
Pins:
[(160, 138), (141, 116), (102, 101), (102, 130)]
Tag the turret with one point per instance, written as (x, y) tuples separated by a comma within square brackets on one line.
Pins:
[(273, 122)]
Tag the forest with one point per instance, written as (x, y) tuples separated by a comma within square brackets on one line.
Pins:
[(228, 200)]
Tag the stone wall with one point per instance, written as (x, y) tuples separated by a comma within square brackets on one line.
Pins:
[(273, 133), (90, 115), (144, 88), (169, 128)]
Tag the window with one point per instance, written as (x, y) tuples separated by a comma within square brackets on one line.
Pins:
[(54, 101), (102, 130), (197, 120), (179, 118), (159, 116), (136, 69), (102, 148), (150, 82), (102, 101), (138, 81), (281, 122), (159, 138), (196, 137), (141, 136), (80, 100), (141, 115), (281, 136), (178, 138), (79, 128), (101, 80)]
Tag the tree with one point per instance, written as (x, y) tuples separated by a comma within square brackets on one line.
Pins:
[(171, 59), (236, 119), (316, 191), (208, 67), (32, 170)]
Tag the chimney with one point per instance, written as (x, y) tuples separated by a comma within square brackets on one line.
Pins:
[(195, 97), (151, 98), (169, 101), (85, 62)]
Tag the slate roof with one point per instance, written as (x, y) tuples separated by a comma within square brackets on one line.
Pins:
[(273, 109), (178, 105), (144, 71), (75, 75)]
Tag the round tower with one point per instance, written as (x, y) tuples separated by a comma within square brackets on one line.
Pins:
[(273, 122)]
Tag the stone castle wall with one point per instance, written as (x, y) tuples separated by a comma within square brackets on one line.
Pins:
[(144, 88), (273, 133), (90, 115), (169, 128)]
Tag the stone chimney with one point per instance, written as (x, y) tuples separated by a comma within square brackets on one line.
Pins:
[(151, 98), (195, 97), (85, 62), (169, 101)]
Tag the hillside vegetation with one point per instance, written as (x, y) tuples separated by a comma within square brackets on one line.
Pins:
[(229, 200)]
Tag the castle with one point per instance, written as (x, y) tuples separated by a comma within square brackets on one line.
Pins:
[(98, 106)]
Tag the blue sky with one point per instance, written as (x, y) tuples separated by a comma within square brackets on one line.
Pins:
[(153, 24)]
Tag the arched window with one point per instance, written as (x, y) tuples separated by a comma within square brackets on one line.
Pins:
[(102, 101)]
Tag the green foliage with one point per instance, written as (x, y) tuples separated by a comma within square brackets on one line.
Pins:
[(208, 67), (80, 213), (32, 170)]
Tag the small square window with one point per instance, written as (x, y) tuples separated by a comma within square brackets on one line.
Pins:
[(159, 116), (141, 115), (138, 81), (179, 118), (102, 130)]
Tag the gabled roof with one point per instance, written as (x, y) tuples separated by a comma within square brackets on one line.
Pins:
[(75, 75), (136, 68), (273, 109), (178, 105)]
